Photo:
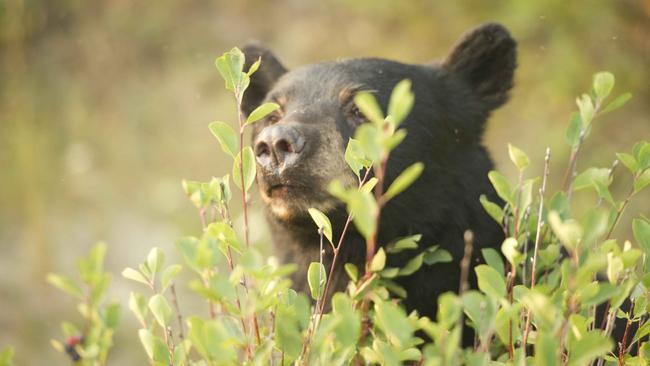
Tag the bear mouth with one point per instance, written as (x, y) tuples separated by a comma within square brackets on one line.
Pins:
[(279, 191)]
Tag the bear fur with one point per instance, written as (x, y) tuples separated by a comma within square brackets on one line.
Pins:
[(453, 100)]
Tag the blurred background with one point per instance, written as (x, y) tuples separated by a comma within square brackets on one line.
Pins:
[(104, 107)]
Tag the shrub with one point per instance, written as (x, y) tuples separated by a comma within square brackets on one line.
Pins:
[(538, 306)]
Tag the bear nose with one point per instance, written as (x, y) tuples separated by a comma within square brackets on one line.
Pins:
[(278, 147)]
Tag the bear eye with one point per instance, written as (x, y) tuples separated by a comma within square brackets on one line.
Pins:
[(357, 114), (273, 117)]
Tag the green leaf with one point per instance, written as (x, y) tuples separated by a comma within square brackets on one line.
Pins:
[(249, 168), (641, 230), (404, 243), (391, 142), (572, 136), (227, 137), (603, 84), (546, 349), (368, 105), (355, 157), (111, 315), (6, 356), (364, 210), (254, 66), (378, 261), (614, 267), (154, 346), (510, 251), (369, 141), (368, 186), (168, 275), (642, 181), (642, 155), (401, 101), (518, 157), (155, 260), (138, 306), (322, 222), (435, 255), (449, 309), (404, 180), (587, 178), (494, 210), (412, 265), (586, 108), (494, 260), (160, 310), (393, 321), (490, 281), (589, 347), (65, 284), (502, 186), (629, 161), (349, 327), (617, 103), (231, 66), (317, 278), (261, 112), (569, 232), (91, 267), (352, 271), (134, 275)]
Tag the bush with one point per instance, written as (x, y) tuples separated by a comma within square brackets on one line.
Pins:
[(539, 306)]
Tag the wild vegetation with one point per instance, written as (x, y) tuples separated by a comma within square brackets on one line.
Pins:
[(538, 306)]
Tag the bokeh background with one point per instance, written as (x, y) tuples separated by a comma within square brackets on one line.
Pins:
[(104, 107)]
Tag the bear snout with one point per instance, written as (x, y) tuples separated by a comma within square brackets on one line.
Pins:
[(278, 147)]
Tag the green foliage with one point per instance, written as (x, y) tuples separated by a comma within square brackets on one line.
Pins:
[(91, 345), (6, 356), (537, 299)]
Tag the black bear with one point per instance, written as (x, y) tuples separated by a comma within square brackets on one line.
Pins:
[(300, 149)]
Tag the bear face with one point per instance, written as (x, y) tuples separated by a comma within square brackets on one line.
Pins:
[(300, 149)]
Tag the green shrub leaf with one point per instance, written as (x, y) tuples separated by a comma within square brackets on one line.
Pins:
[(261, 112), (617, 103), (641, 229), (134, 275), (404, 180), (249, 168), (227, 137), (518, 157), (160, 310), (65, 284), (317, 278), (368, 105), (401, 102), (490, 281), (378, 261), (603, 84), (322, 222)]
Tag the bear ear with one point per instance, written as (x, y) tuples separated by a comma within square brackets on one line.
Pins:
[(485, 58), (263, 79)]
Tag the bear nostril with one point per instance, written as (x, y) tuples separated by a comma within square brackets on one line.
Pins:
[(262, 149), (284, 147)]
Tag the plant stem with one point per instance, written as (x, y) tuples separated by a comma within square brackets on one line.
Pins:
[(619, 212), (179, 316), (371, 244), (240, 117), (623, 344), (468, 237), (538, 236)]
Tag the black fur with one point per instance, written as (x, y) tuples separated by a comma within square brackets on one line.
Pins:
[(453, 100)]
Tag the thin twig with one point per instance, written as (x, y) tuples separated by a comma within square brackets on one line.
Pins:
[(179, 316), (538, 236), (463, 285)]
